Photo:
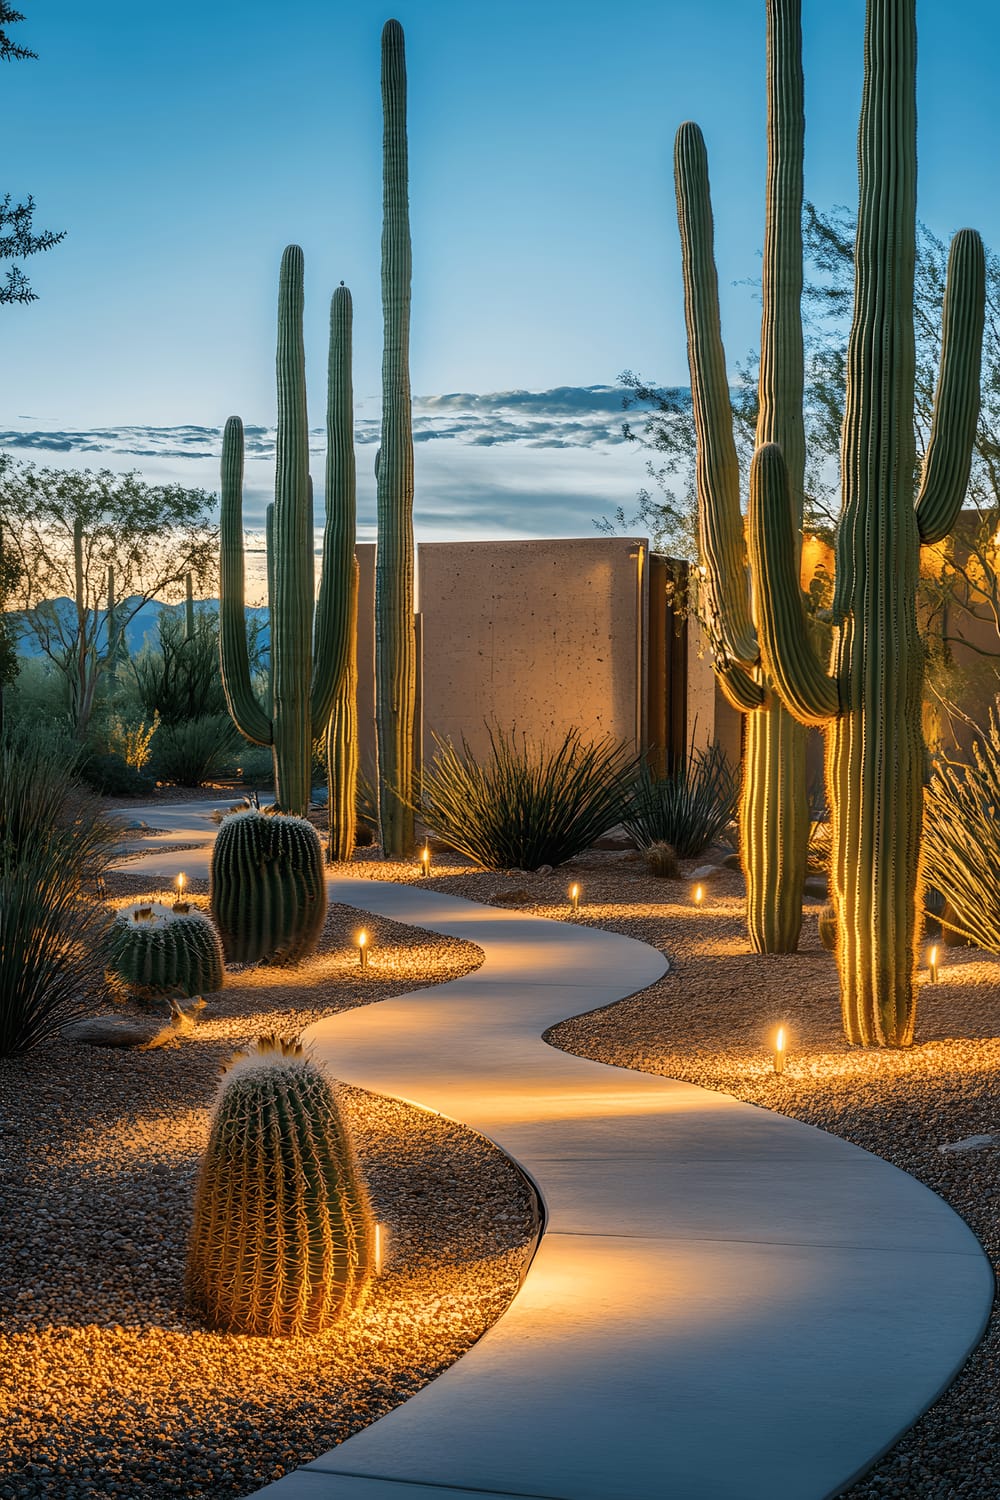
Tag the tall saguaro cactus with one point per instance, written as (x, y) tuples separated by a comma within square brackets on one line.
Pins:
[(308, 660), (341, 487), (395, 637), (774, 813), (870, 699)]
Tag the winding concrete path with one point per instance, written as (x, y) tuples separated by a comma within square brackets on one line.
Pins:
[(726, 1304)]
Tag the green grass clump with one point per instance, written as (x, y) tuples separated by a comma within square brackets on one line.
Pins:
[(961, 843), (524, 805), (54, 848), (688, 809)]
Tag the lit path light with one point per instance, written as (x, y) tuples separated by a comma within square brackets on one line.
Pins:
[(698, 1254), (779, 1051), (574, 896), (363, 949)]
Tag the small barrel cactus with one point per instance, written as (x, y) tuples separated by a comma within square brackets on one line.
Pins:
[(268, 887), (160, 953), (661, 861), (283, 1240)]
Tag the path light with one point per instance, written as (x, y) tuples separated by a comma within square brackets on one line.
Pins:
[(425, 860), (574, 896), (699, 895), (180, 905), (779, 1051), (363, 949), (381, 1245), (932, 964)]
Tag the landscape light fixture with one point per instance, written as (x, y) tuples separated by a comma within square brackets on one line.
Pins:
[(574, 896), (779, 1051), (363, 949), (699, 895), (932, 964), (425, 860)]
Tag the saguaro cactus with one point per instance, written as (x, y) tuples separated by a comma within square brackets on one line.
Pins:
[(870, 699), (341, 485), (283, 1239), (307, 662), (395, 637), (774, 813)]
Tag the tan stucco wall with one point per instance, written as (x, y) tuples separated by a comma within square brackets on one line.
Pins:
[(544, 635)]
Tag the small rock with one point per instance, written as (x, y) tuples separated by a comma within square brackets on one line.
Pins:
[(970, 1143), (731, 862), (616, 839), (518, 896), (113, 1031), (704, 873), (544, 870)]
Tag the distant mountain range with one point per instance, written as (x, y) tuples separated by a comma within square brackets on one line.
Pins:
[(142, 628)]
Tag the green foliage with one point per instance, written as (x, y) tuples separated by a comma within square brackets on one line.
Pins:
[(525, 805), (54, 848), (688, 809), (192, 752), (69, 532), (180, 678), (17, 235), (132, 742), (106, 772), (268, 889), (961, 845), (168, 953), (283, 1238)]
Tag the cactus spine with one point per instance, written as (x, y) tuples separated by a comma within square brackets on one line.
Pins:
[(282, 1242), (168, 953), (306, 664), (870, 700), (395, 638), (340, 562), (268, 892), (774, 815)]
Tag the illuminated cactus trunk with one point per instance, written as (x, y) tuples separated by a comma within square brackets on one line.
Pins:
[(340, 564), (871, 700), (774, 811), (307, 660), (395, 638)]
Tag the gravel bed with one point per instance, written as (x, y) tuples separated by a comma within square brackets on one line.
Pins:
[(711, 1021), (107, 1385)]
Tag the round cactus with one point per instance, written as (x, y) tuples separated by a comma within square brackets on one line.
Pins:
[(283, 1237), (661, 861), (268, 888), (161, 952)]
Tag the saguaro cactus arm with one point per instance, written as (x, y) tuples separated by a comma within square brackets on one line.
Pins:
[(807, 691), (740, 689), (333, 612), (948, 458), (717, 467), (248, 716)]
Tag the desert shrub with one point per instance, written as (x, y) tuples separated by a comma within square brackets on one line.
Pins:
[(192, 752), (525, 805), (689, 808), (132, 742), (961, 848), (38, 694), (108, 774), (54, 847)]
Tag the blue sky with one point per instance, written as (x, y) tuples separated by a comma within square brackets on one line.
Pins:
[(182, 147)]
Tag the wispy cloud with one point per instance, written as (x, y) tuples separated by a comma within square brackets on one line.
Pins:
[(507, 463)]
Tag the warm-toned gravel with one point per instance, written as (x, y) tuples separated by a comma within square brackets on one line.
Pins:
[(105, 1374), (107, 1385), (711, 1020)]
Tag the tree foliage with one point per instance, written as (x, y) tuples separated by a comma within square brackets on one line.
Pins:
[(73, 534), (17, 234)]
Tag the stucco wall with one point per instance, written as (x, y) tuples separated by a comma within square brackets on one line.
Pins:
[(544, 635)]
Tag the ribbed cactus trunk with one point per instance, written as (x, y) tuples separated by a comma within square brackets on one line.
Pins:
[(294, 567), (871, 702), (342, 750), (774, 812), (340, 567), (875, 748), (395, 638), (308, 660)]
